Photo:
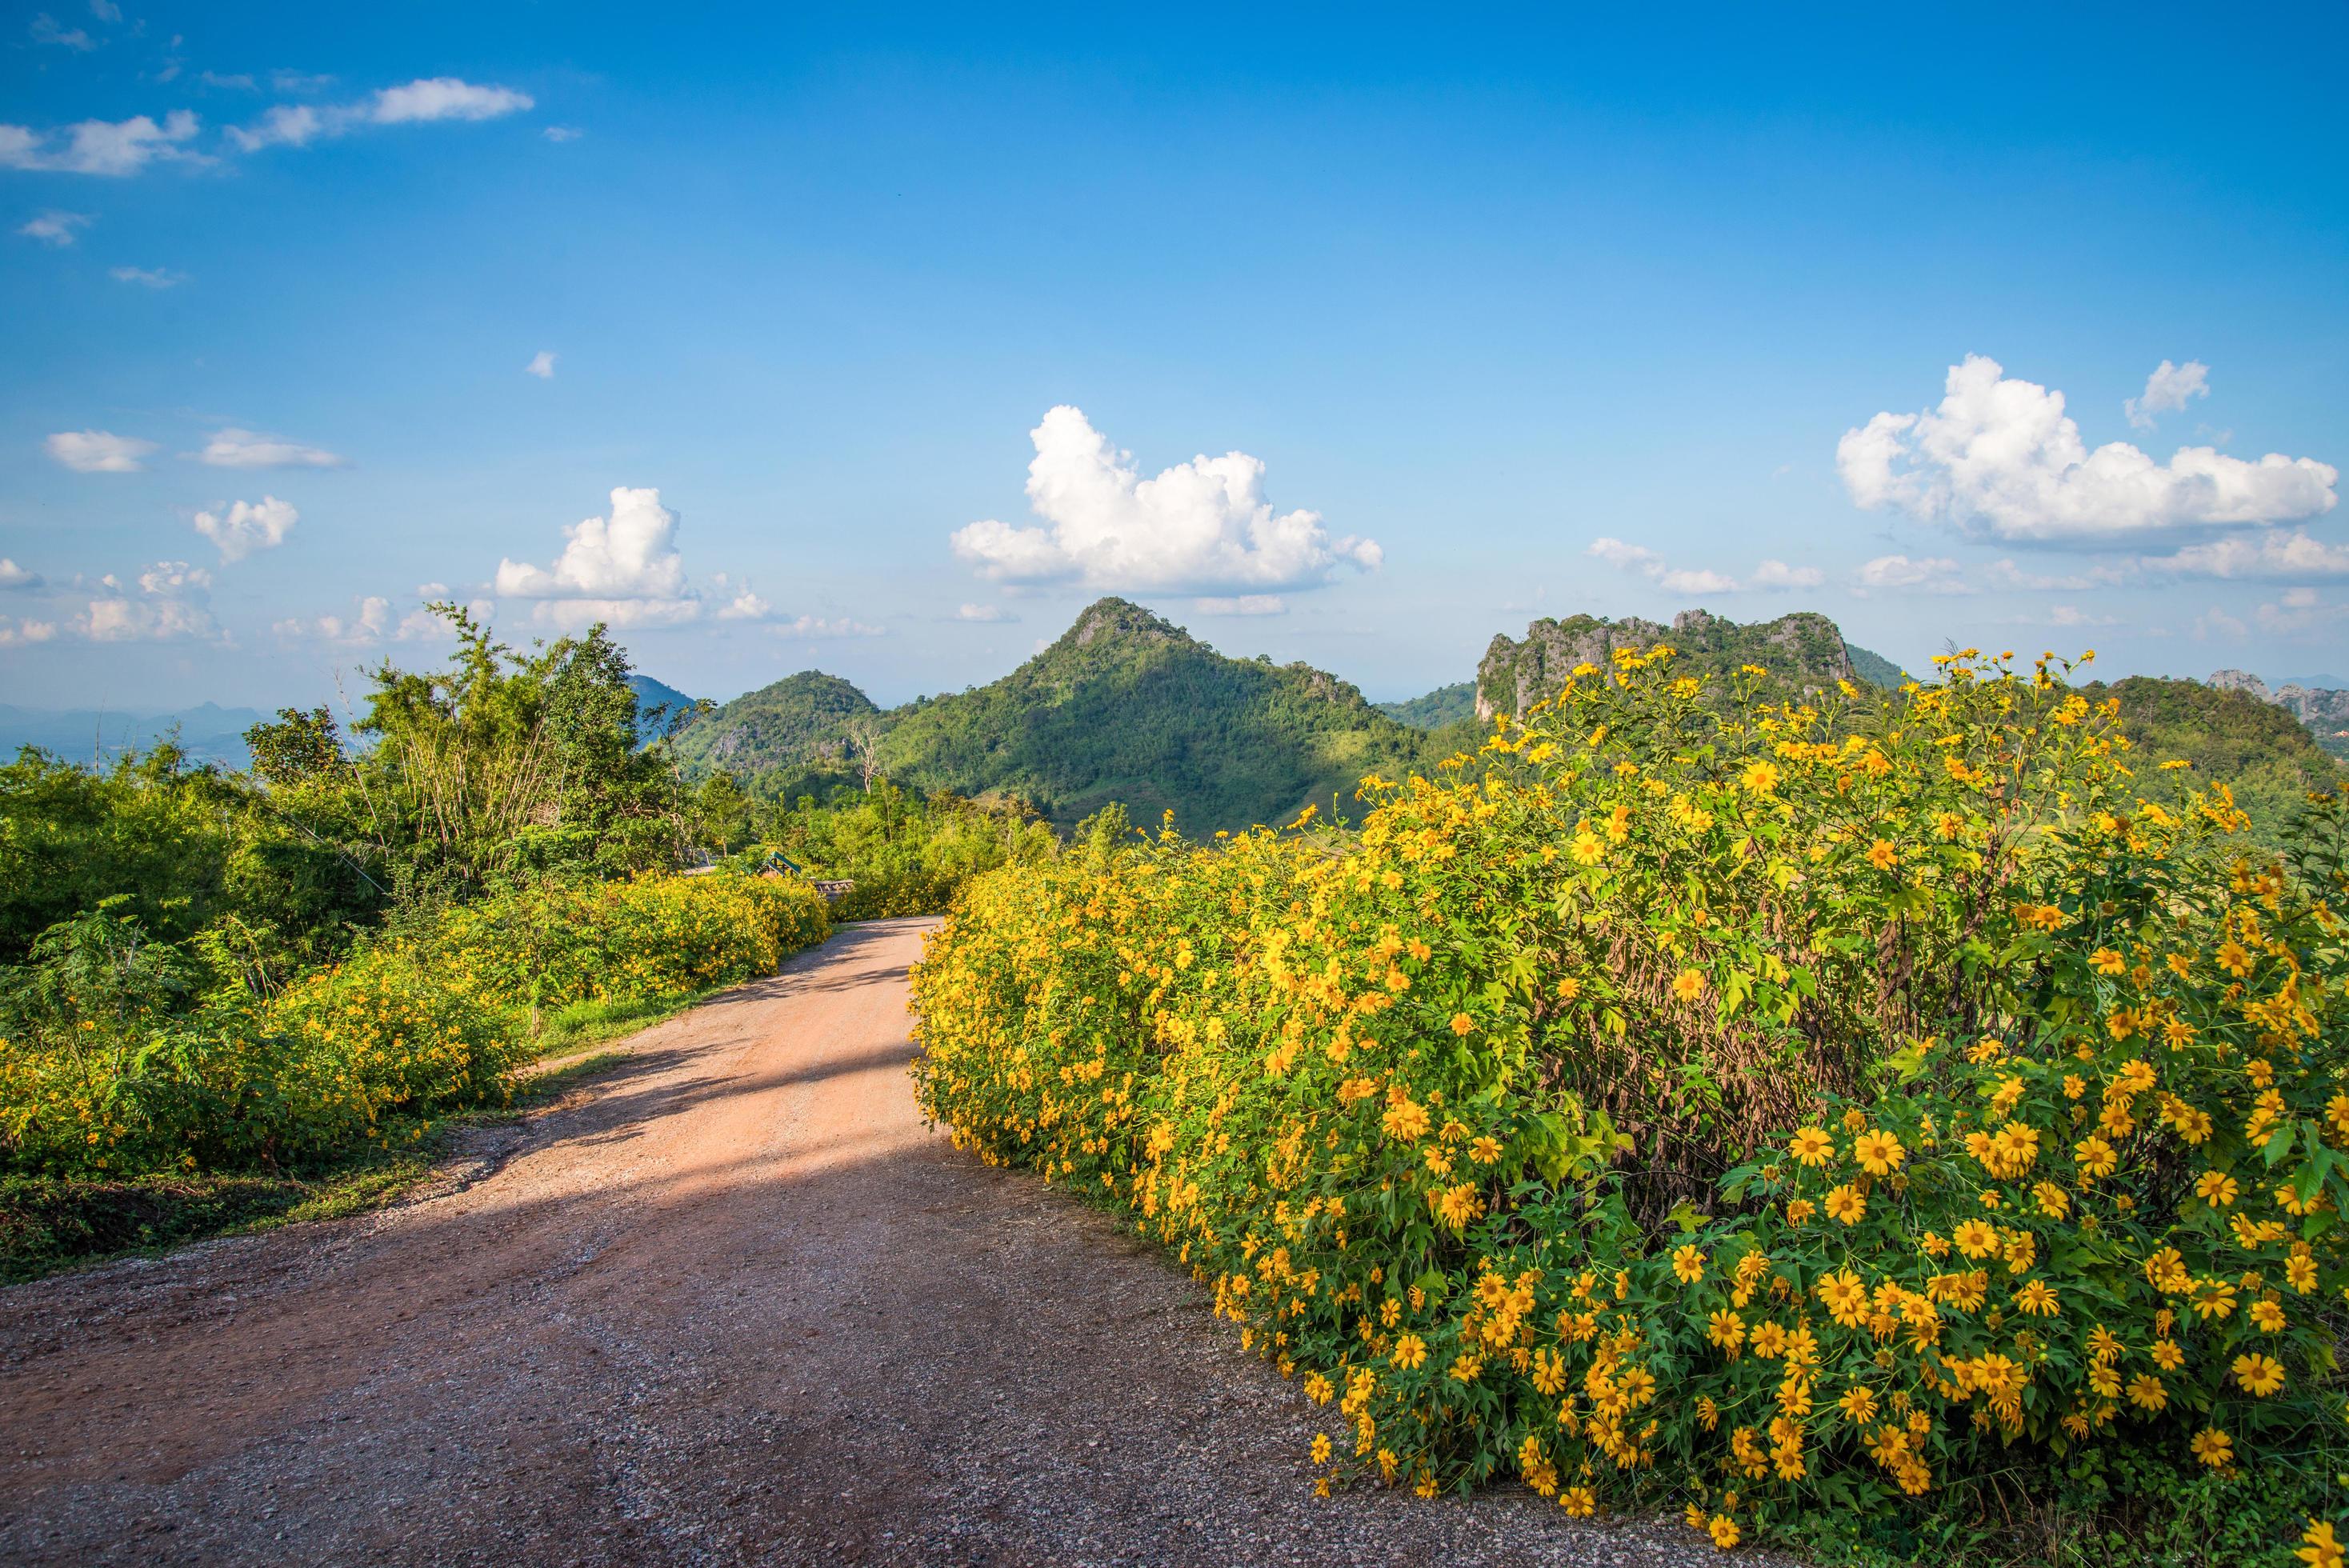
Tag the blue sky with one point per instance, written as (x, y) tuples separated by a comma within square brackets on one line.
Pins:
[(1513, 317)]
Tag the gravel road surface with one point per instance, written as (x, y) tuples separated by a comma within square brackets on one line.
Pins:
[(733, 1303)]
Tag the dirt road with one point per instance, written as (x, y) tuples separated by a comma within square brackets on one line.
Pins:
[(733, 1304)]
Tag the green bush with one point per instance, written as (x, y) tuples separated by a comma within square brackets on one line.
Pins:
[(1805, 1110)]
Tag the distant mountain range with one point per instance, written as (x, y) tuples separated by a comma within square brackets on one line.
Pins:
[(207, 733), (1127, 706)]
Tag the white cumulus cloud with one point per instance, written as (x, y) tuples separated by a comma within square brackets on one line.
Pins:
[(2167, 390), (2000, 456), (745, 605), (25, 631), (989, 614), (1197, 527), (625, 570), (112, 148), (99, 451), (541, 364), (56, 227), (14, 576), (170, 604), (248, 526), (234, 449)]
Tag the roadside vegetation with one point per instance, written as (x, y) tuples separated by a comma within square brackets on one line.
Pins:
[(1898, 1124), (226, 996)]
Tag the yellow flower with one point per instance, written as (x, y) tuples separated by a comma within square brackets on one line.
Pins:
[(1879, 1153), (1462, 1024), (1410, 1351), (2037, 1299), (2213, 1447), (1320, 1447), (2323, 1548), (2216, 1187), (2260, 1375), (1812, 1146), (1688, 1265), (1882, 855), (1846, 1203), (1688, 985), (1723, 1531), (2145, 1392), (1975, 1238)]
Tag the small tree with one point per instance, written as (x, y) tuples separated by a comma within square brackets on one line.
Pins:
[(864, 733)]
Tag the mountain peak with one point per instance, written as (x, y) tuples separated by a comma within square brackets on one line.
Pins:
[(1121, 619)]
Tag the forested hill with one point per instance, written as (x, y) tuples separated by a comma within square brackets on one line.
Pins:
[(799, 723), (2260, 751), (1444, 705), (1126, 707)]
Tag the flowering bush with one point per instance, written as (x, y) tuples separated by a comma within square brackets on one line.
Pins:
[(1791, 1105), (103, 1072)]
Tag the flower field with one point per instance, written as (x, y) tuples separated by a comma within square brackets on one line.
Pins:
[(1847, 1107), (111, 1074)]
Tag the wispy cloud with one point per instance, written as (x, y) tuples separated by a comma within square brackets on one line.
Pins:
[(423, 101), (99, 451), (47, 29), (1900, 575), (56, 227), (149, 277), (1692, 580), (235, 448), (2167, 390), (541, 364), (115, 149)]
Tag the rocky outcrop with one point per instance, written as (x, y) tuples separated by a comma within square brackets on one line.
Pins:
[(2324, 709), (1804, 650)]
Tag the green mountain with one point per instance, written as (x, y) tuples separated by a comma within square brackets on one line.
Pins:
[(2323, 708), (658, 705), (798, 724), (1804, 649), (1126, 707), (1875, 668), (2259, 749), (1444, 705)]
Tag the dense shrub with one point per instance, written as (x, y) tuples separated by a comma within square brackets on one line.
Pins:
[(120, 1054), (1809, 1106)]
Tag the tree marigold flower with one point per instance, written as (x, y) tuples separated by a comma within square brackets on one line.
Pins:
[(2213, 1447), (2261, 1375), (1812, 1146)]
